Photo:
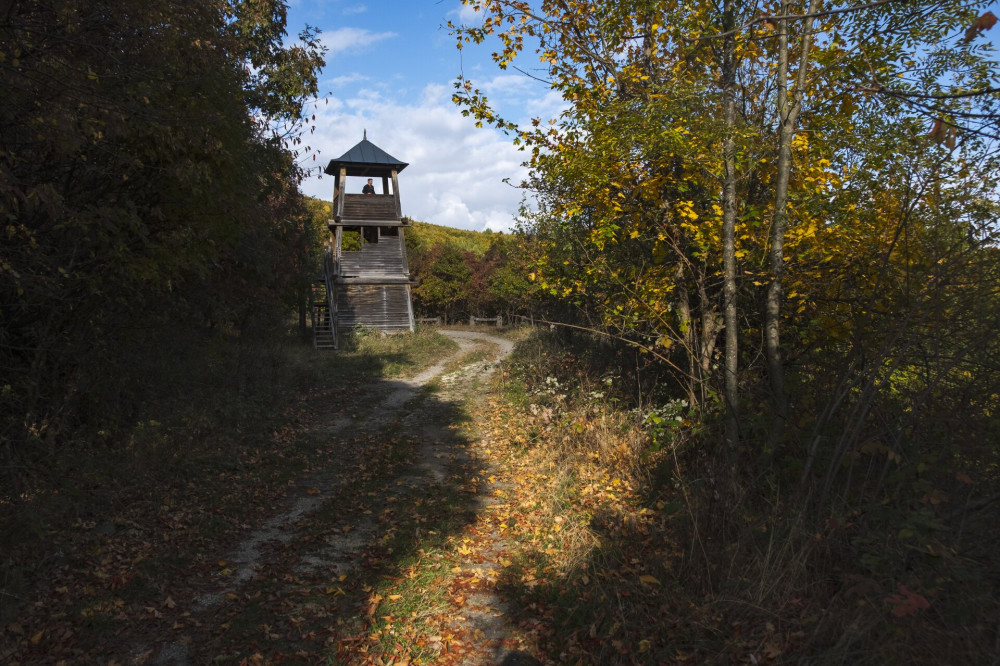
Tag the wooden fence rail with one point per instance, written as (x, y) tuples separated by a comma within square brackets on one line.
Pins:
[(498, 321), (476, 320)]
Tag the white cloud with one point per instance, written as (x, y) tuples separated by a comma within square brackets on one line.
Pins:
[(508, 84), (520, 98), (456, 170), (346, 39), (467, 15), (355, 9), (340, 81), (548, 106)]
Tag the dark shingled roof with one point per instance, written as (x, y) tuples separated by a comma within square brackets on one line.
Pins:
[(366, 159)]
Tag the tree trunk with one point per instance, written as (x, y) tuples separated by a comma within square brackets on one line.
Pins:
[(688, 336), (731, 361), (788, 107), (304, 306)]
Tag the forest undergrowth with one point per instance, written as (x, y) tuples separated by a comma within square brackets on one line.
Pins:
[(615, 532), (631, 543), (102, 530)]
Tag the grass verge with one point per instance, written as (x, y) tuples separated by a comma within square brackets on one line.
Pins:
[(110, 534), (612, 542)]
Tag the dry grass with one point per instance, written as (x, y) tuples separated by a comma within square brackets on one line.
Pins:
[(740, 574)]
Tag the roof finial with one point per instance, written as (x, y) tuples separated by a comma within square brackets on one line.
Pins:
[(365, 137)]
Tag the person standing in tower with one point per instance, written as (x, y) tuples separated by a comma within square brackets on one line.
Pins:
[(369, 188)]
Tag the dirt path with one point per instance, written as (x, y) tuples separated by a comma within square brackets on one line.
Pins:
[(302, 587)]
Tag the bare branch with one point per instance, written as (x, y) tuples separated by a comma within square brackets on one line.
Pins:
[(879, 88), (796, 17)]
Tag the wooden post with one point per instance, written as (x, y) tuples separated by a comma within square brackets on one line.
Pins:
[(402, 248), (338, 212), (395, 195)]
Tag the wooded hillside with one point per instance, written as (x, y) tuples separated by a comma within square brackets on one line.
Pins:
[(791, 210), (148, 187), (458, 272), (463, 273)]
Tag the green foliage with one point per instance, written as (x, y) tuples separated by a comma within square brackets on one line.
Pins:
[(885, 219), (888, 303), (463, 272), (444, 276), (320, 214), (144, 180), (422, 236)]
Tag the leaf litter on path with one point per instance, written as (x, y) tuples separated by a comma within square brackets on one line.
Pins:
[(305, 582)]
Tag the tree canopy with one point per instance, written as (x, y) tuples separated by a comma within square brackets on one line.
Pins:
[(147, 179)]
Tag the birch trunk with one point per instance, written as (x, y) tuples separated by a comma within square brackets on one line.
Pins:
[(788, 107), (729, 312)]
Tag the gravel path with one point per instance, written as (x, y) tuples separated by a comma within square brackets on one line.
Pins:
[(386, 405)]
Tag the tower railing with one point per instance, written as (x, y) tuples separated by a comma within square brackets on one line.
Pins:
[(362, 208), (331, 299)]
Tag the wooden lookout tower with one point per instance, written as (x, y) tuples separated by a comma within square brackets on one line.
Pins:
[(366, 273)]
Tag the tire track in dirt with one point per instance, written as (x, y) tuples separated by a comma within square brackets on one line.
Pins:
[(386, 406), (484, 618)]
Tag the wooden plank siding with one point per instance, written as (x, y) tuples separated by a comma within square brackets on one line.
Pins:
[(382, 306), (369, 208), (373, 285), (386, 258)]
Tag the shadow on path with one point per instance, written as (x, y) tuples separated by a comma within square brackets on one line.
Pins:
[(313, 581)]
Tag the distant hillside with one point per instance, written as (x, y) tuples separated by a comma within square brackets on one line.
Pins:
[(456, 273), (425, 235), (422, 236)]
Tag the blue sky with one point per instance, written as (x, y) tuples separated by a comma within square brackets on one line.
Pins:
[(390, 69)]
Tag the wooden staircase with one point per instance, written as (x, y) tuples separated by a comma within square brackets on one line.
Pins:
[(386, 258), (324, 335)]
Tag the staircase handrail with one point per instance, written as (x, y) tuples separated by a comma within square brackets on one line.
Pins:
[(331, 304)]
